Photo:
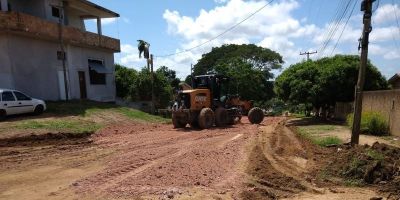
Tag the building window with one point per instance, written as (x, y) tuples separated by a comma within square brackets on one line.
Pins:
[(97, 76), (55, 12)]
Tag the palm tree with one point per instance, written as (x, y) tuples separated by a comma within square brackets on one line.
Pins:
[(144, 47)]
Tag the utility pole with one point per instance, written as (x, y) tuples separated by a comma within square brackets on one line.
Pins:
[(62, 53), (191, 75), (144, 47), (308, 54), (152, 85), (366, 6)]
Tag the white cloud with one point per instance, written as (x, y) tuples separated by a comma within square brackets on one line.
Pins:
[(275, 27), (220, 1), (104, 21), (107, 21), (386, 13)]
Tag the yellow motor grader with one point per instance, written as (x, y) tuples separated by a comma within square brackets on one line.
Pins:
[(203, 105)]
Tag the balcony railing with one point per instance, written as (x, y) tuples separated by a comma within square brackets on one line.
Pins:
[(28, 25)]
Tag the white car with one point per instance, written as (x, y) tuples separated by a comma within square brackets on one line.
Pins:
[(13, 102)]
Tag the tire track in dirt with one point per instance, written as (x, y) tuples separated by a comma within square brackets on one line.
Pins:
[(278, 164), (148, 162)]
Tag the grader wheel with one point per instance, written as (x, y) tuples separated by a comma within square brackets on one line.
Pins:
[(221, 117), (256, 115), (206, 118), (177, 122)]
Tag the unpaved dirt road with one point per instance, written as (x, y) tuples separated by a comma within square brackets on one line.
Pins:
[(148, 161)]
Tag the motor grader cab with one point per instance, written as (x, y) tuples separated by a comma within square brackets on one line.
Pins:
[(204, 105)]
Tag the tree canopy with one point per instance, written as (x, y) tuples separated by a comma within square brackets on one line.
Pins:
[(326, 81), (248, 65), (136, 85)]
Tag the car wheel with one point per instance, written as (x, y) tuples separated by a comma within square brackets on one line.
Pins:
[(3, 115), (38, 110)]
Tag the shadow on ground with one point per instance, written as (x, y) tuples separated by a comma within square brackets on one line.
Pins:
[(307, 121), (64, 109)]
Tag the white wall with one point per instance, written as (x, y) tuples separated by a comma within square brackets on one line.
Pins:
[(34, 66), (78, 61)]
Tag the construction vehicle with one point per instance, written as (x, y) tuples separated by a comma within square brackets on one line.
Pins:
[(243, 105), (204, 105)]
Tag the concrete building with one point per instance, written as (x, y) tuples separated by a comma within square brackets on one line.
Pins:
[(395, 81), (33, 36)]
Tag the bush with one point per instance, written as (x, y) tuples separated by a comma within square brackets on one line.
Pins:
[(372, 123)]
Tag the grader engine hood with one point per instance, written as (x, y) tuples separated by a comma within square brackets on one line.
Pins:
[(199, 98)]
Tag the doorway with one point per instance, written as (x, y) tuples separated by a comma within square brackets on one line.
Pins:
[(82, 84)]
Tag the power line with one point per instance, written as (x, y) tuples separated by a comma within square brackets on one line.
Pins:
[(333, 28), (395, 13), (344, 28), (219, 35)]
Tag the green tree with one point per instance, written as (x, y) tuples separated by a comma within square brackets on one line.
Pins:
[(170, 75), (125, 81), (162, 87), (248, 65), (137, 85), (326, 81)]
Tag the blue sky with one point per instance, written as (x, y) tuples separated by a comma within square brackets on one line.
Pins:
[(285, 26)]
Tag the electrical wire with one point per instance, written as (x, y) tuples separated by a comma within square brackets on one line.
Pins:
[(344, 28), (331, 26), (398, 25), (395, 13), (332, 31), (219, 35)]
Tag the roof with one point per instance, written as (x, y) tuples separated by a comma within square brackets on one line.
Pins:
[(394, 78), (93, 9)]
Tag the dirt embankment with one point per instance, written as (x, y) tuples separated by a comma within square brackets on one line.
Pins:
[(279, 163), (377, 166)]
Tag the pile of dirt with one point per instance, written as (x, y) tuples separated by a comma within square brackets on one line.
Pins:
[(48, 138), (377, 165), (268, 183)]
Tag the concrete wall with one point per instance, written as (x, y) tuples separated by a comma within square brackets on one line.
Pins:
[(342, 109), (32, 7), (6, 80), (73, 19), (78, 61), (33, 68), (396, 84), (43, 10), (387, 103)]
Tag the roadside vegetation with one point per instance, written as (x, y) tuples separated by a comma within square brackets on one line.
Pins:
[(372, 123), (75, 117), (317, 134), (322, 83)]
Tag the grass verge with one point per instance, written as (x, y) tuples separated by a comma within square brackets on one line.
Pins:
[(69, 126), (75, 117), (313, 132)]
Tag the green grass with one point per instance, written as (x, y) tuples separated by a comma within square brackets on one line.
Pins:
[(353, 183), (312, 133), (372, 123), (327, 141), (78, 108), (139, 115), (70, 126), (375, 154), (78, 117)]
